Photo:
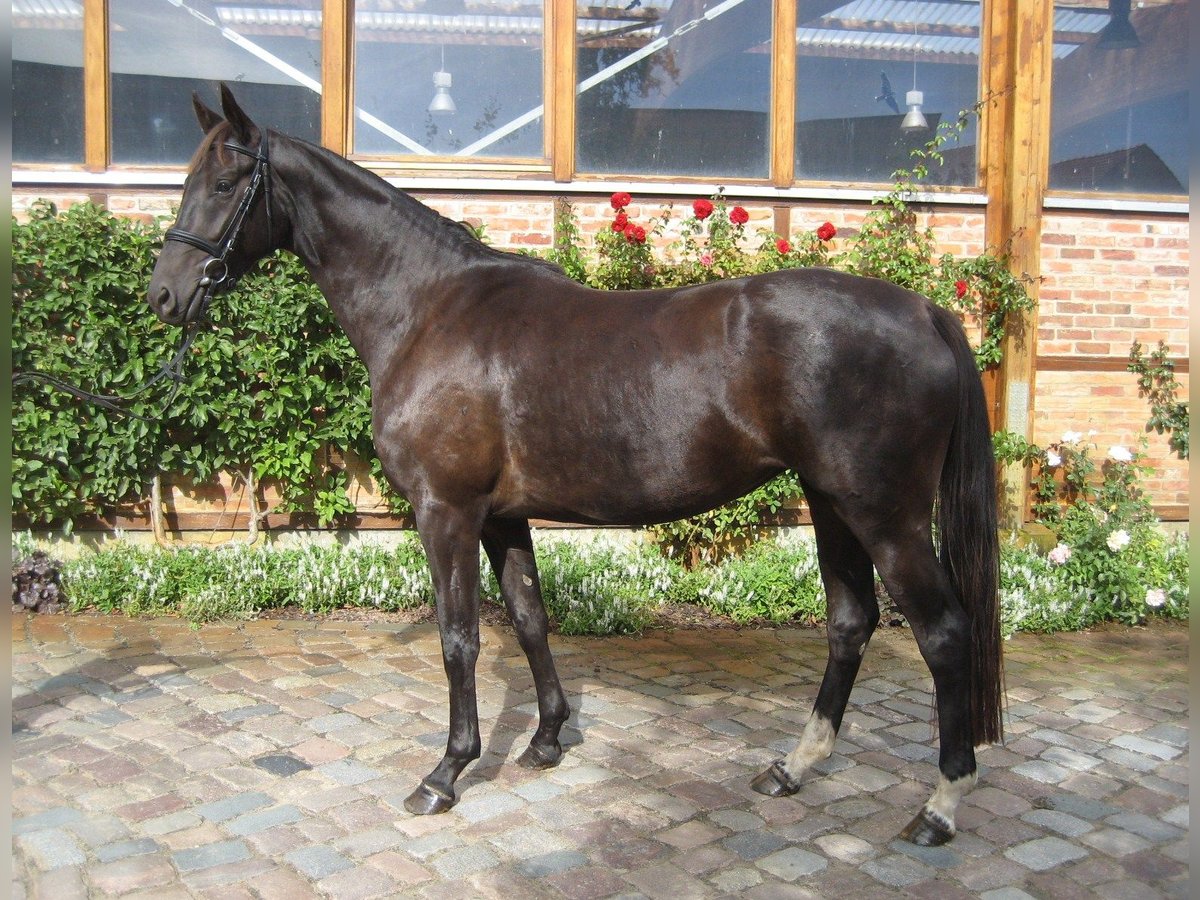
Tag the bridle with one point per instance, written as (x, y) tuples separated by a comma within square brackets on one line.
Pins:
[(215, 271), (214, 274)]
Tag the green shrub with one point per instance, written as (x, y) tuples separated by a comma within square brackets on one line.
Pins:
[(271, 384), (601, 589), (777, 582)]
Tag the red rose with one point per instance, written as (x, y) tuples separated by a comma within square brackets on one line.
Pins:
[(960, 289), (826, 231), (739, 216), (620, 200), (639, 235), (702, 208), (783, 247), (620, 222)]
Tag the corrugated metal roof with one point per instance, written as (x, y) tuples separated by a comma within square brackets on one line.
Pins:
[(47, 9)]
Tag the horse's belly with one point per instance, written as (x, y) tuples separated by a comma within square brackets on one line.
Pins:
[(633, 484)]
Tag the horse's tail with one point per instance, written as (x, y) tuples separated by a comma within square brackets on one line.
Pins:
[(969, 532)]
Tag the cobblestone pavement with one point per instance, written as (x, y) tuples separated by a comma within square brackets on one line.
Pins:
[(270, 759)]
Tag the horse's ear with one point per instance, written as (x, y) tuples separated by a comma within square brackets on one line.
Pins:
[(208, 119), (244, 131)]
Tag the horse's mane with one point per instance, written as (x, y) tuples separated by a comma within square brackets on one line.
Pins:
[(458, 235)]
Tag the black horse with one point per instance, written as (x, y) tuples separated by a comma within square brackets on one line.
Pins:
[(503, 391)]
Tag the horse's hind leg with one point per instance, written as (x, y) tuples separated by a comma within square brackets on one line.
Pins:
[(853, 614), (509, 547), (921, 588)]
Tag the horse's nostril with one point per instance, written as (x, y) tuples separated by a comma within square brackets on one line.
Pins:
[(164, 301)]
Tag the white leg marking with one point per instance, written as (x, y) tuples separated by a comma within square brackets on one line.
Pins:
[(944, 802), (815, 745)]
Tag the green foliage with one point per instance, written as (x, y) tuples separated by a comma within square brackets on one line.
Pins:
[(1111, 560), (1157, 383), (600, 588), (709, 537), (272, 384), (75, 317), (776, 582)]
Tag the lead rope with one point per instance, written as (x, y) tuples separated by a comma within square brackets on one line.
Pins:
[(172, 369)]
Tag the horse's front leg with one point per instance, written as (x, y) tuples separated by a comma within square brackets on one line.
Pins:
[(451, 540), (509, 547)]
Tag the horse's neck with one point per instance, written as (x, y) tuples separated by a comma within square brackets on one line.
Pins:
[(372, 250)]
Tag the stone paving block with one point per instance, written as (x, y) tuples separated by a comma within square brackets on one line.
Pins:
[(59, 884), (316, 862), (52, 848), (458, 862), (125, 849), (349, 772), (1115, 841), (1138, 744), (1045, 853), (897, 871), (133, 873), (792, 863), (209, 855), (1060, 822), (50, 818), (261, 820)]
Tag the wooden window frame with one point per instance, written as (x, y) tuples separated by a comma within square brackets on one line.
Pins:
[(1009, 105)]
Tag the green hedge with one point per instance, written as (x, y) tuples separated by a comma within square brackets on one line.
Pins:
[(271, 382)]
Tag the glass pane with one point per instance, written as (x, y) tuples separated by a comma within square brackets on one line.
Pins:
[(859, 65), (162, 50), (674, 87), (448, 78), (1119, 120), (47, 81)]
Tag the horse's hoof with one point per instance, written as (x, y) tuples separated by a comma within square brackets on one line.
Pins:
[(427, 800), (927, 830), (775, 782), (537, 756)]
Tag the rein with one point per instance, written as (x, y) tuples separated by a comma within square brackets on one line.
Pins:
[(212, 277)]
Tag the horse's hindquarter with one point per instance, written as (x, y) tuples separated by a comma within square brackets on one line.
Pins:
[(630, 408)]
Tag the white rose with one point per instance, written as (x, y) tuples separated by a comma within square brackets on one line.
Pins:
[(1118, 540), (1120, 454), (1053, 459), (1059, 554), (1156, 597), (1072, 437)]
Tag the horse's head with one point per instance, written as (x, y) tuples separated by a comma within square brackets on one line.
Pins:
[(225, 219)]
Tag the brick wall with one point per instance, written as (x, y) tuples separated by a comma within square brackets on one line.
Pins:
[(1106, 279)]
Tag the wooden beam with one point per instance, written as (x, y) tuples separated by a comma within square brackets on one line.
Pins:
[(783, 95), (337, 57), (97, 138), (560, 61), (1018, 47)]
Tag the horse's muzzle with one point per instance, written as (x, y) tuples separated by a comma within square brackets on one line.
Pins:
[(173, 309)]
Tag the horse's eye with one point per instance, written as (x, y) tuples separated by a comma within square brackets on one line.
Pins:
[(224, 187)]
